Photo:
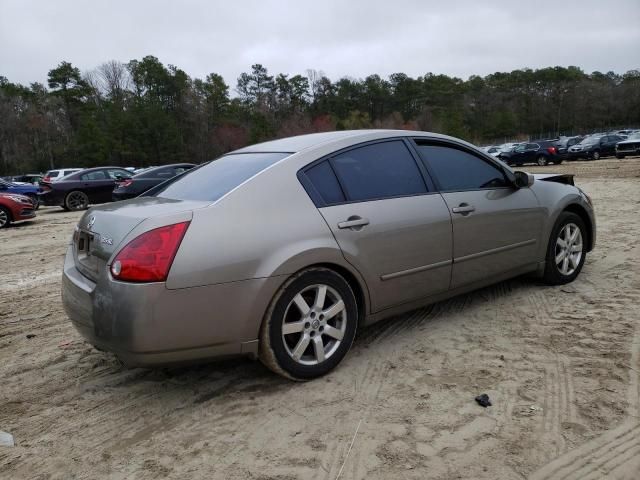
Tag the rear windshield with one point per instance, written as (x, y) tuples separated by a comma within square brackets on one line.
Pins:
[(213, 180)]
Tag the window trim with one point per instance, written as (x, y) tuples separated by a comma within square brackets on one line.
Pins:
[(319, 202), (480, 156)]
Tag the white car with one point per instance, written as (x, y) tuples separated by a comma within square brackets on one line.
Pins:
[(55, 175)]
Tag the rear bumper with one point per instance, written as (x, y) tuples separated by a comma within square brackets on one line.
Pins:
[(51, 198), (149, 325)]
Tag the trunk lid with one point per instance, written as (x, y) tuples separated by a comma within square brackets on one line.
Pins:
[(102, 229)]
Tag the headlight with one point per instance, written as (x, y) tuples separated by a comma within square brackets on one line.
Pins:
[(19, 198)]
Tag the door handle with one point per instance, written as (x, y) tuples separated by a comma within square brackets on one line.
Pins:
[(354, 222), (464, 209)]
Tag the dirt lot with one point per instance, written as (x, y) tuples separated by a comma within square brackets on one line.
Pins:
[(561, 365)]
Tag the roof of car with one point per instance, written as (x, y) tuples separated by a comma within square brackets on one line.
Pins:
[(303, 142)]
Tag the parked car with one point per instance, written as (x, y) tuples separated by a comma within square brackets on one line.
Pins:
[(31, 191), (540, 152), (595, 146), (140, 183), (508, 147), (630, 146), (30, 178), (55, 175), (15, 208), (283, 250), (564, 143), (491, 150), (78, 190)]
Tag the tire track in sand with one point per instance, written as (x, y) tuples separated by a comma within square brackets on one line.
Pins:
[(615, 451)]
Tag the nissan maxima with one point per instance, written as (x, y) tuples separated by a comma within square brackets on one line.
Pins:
[(283, 250)]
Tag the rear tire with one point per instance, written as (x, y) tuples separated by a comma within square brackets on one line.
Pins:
[(5, 217), (76, 200), (541, 160), (595, 155), (320, 313), (565, 257)]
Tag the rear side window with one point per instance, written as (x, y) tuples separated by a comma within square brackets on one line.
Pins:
[(211, 181), (325, 183), (377, 171), (99, 175), (459, 170)]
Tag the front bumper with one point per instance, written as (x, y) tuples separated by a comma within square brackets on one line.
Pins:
[(147, 324)]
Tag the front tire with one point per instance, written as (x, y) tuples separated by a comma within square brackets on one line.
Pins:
[(567, 249), (5, 217), (36, 201), (541, 160), (595, 155), (76, 200), (310, 325)]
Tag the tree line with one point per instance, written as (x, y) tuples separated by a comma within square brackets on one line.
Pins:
[(144, 113)]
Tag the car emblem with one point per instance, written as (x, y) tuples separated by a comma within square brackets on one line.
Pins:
[(92, 220), (107, 240)]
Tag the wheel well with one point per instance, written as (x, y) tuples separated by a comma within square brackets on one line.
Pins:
[(353, 283), (582, 213)]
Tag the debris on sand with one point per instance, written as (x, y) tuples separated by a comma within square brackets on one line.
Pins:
[(6, 439), (483, 400)]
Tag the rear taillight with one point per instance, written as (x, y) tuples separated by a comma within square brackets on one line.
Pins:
[(47, 179), (551, 150), (124, 183), (148, 258)]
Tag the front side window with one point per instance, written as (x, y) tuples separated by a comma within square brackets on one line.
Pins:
[(211, 181), (458, 169), (380, 170)]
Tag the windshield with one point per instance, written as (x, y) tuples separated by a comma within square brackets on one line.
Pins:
[(213, 180)]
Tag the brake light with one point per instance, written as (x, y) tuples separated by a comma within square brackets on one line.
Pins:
[(551, 150), (125, 183), (47, 179), (148, 258)]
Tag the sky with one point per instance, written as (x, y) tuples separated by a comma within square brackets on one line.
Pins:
[(337, 37)]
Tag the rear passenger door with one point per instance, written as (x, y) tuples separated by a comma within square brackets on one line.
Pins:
[(496, 227), (97, 185), (389, 222)]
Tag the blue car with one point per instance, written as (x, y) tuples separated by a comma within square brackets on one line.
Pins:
[(30, 191)]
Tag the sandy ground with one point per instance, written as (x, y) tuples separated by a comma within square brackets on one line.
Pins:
[(561, 365)]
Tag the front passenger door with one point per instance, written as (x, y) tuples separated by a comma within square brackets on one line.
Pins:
[(496, 227)]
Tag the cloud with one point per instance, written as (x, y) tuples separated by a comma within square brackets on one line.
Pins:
[(342, 38)]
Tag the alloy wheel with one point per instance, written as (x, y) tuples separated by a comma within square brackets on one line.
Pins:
[(4, 218), (542, 161), (314, 324), (77, 201), (568, 251)]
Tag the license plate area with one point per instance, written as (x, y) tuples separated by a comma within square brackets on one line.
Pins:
[(85, 242)]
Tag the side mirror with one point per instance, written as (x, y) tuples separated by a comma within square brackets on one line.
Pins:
[(523, 179)]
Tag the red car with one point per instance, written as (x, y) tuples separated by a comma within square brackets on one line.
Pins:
[(14, 208)]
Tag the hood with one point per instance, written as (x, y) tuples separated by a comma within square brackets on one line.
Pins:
[(564, 178)]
